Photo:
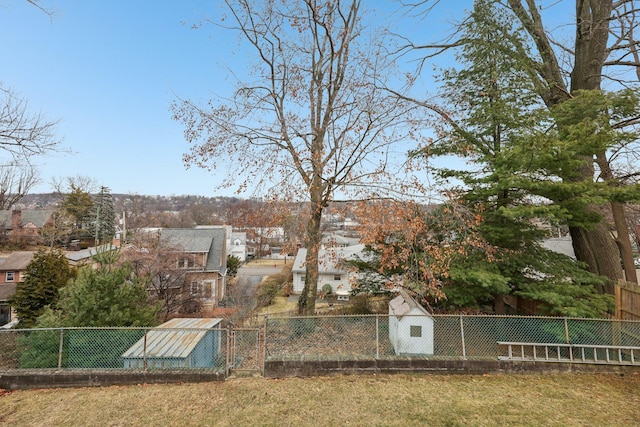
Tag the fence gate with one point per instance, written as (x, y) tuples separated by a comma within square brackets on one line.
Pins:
[(246, 351)]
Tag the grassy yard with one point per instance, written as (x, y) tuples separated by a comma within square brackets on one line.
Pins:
[(373, 400)]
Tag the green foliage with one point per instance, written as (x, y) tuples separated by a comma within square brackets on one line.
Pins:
[(101, 348), (103, 296), (473, 285), (524, 162), (47, 272), (79, 205), (233, 264), (40, 349)]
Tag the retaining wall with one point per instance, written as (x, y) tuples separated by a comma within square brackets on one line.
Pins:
[(307, 368)]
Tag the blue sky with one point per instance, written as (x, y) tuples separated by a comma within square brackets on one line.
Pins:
[(108, 70)]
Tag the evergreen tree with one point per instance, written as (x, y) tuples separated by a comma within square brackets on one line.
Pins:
[(78, 206), (103, 296), (105, 218), (47, 272), (516, 171)]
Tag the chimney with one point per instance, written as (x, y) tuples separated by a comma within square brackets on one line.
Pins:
[(16, 219)]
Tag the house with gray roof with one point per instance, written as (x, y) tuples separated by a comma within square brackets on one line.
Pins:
[(24, 225), (202, 253)]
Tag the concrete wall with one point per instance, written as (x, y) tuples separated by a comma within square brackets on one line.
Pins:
[(45, 378), (309, 368)]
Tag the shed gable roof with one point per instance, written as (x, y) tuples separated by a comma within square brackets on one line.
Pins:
[(404, 304)]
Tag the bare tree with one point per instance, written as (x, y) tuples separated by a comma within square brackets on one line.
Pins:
[(155, 263), (314, 120), (23, 134), (15, 182)]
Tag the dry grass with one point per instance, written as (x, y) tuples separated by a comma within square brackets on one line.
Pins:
[(376, 400)]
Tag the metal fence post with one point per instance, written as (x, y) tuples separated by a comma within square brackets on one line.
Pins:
[(464, 348), (228, 361), (566, 330), (144, 351), (377, 337), (264, 344), (60, 348)]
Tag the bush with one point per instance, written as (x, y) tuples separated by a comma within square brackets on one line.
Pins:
[(359, 304), (266, 292)]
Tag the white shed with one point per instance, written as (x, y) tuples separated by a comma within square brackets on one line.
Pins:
[(410, 326)]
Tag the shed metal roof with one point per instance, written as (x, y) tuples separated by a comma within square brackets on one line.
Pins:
[(176, 339)]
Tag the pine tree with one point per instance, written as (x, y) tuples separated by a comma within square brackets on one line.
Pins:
[(105, 296), (47, 272), (105, 218), (516, 170), (78, 206)]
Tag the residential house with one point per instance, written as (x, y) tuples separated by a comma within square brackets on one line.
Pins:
[(332, 269), (24, 225), (203, 254), (12, 268), (338, 241), (237, 246), (85, 256)]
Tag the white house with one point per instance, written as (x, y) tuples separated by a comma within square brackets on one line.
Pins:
[(331, 268), (237, 246)]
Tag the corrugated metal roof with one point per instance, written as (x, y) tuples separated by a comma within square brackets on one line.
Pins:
[(178, 339)]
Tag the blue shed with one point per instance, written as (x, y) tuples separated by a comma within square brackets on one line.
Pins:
[(178, 343)]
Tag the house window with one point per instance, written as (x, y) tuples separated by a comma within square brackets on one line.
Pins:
[(303, 279), (415, 331), (337, 277), (10, 276), (187, 262), (194, 289)]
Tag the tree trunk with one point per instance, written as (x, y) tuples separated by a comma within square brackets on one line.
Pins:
[(624, 242), (595, 246), (307, 301)]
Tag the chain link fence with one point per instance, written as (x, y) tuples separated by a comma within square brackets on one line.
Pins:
[(300, 338), (114, 348), (440, 336)]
